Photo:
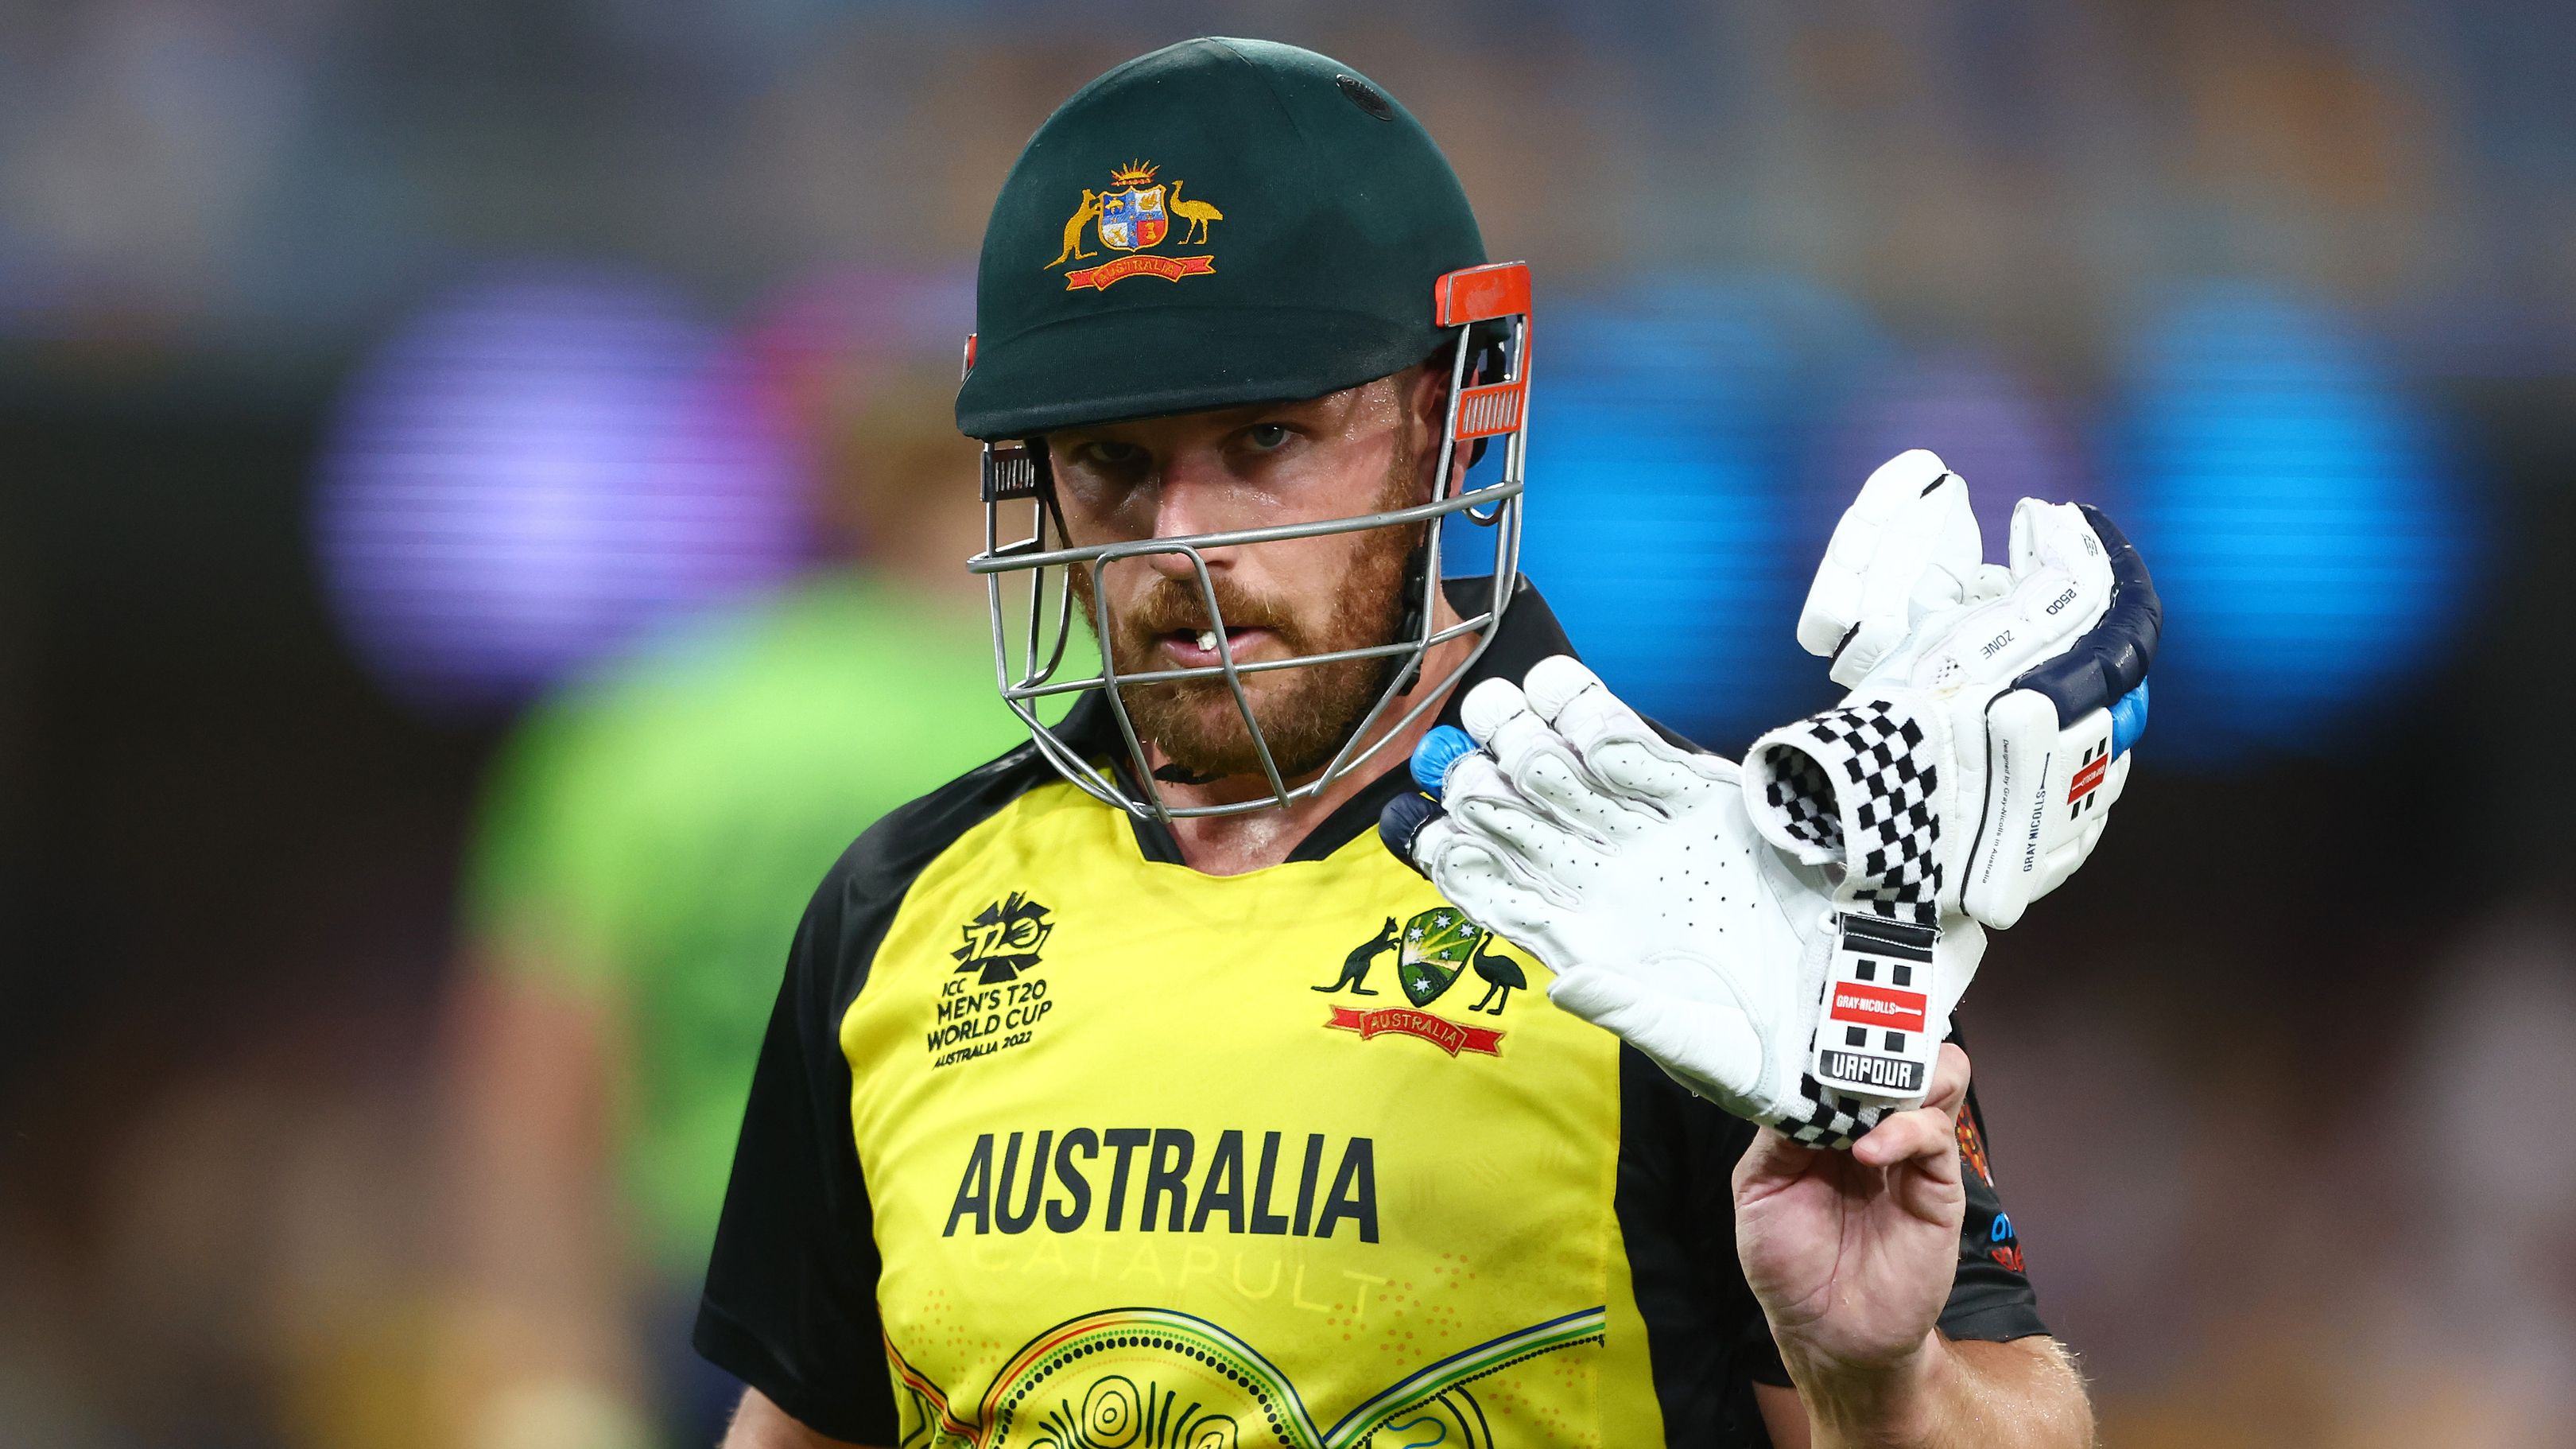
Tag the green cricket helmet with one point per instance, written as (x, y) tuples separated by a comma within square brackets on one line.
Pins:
[(1218, 223)]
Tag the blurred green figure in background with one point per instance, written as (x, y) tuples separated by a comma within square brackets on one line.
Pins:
[(647, 844)]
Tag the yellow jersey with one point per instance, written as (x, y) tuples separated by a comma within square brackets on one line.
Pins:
[(1054, 1141)]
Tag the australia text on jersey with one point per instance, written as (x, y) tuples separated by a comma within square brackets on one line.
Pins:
[(1242, 1196)]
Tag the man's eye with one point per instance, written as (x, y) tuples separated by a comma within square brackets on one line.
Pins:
[(1266, 437), (1113, 455)]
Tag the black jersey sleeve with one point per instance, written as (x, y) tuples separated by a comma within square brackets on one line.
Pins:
[(1706, 1340), (1992, 1297), (790, 1306), (790, 1303)]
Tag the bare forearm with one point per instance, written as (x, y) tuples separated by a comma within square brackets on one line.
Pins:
[(534, 1313), (2018, 1395)]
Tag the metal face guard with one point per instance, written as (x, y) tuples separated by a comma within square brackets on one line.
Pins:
[(1016, 472)]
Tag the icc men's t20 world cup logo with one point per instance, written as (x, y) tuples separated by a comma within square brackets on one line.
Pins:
[(994, 1000)]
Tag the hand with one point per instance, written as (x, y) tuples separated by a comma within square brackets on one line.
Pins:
[(1852, 1254)]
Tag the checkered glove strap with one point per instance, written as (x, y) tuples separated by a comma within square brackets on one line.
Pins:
[(1629, 868), (1861, 790), (1973, 766)]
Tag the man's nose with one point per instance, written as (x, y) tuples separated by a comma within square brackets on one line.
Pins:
[(1192, 500)]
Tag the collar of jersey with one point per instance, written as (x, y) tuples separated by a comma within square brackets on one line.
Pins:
[(1528, 634)]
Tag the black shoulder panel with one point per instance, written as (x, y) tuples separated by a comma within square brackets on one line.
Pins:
[(869, 881)]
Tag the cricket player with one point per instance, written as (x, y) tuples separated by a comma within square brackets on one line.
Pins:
[(1131, 1090)]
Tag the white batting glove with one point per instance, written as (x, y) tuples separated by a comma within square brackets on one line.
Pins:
[(1989, 715), (1973, 765), (1630, 867)]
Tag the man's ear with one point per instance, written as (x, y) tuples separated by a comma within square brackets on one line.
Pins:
[(1427, 414)]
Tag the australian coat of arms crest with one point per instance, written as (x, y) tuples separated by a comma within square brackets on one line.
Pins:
[(1133, 216)]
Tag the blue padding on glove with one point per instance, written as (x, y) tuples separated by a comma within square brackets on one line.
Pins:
[(1403, 819), (1438, 751), (2113, 658), (2128, 720)]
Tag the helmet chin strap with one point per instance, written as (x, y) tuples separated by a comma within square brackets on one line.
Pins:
[(1399, 672)]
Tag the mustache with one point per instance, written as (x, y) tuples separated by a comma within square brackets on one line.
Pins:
[(1173, 605)]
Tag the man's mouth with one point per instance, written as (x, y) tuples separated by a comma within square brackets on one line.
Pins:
[(1197, 648)]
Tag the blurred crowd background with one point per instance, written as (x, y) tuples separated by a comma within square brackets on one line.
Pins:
[(480, 528)]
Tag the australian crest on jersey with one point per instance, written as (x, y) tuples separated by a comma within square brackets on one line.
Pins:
[(1432, 949)]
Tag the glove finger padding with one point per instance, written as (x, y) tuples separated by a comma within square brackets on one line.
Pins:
[(1492, 809), (2058, 744), (1619, 748), (1908, 546), (1482, 881), (1972, 771), (1542, 765)]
